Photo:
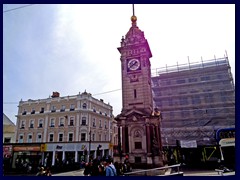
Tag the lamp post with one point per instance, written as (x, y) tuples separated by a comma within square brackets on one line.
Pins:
[(89, 151)]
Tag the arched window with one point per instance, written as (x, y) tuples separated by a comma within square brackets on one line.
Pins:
[(84, 106)]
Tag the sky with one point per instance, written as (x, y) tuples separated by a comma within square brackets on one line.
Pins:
[(73, 48)]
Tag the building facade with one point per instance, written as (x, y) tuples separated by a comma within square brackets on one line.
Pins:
[(139, 126), (64, 129), (9, 129), (195, 100)]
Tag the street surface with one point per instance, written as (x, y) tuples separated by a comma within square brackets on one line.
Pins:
[(186, 173)]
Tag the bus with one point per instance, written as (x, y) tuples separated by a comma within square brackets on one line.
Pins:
[(226, 141)]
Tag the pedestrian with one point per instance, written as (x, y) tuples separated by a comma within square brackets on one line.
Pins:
[(41, 172), (88, 169), (48, 172), (110, 168), (101, 170)]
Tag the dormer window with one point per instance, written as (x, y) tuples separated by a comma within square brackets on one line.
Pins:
[(42, 110), (24, 112), (33, 111), (63, 108), (72, 107), (53, 109)]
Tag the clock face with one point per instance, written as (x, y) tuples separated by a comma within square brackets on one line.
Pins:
[(133, 64)]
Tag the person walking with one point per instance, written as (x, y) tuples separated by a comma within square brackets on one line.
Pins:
[(110, 168)]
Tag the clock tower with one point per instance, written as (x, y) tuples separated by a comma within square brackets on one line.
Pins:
[(139, 123)]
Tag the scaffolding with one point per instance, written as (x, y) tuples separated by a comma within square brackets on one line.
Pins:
[(196, 99)]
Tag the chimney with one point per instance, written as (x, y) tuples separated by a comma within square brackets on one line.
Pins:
[(55, 94)]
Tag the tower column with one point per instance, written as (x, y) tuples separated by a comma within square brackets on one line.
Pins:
[(148, 139)]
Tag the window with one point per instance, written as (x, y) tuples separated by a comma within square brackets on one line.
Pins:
[(84, 106), (22, 126), (71, 122), (180, 81), (172, 115), (50, 137), (20, 138), (219, 76), (40, 123), (83, 136), (138, 145), (42, 110), (70, 137), (105, 124), (61, 123), (52, 122), (63, 108), (84, 121), (100, 137), (205, 78), (94, 122), (60, 137), (24, 112), (93, 137), (53, 109), (7, 140), (209, 98), (100, 123), (29, 140), (39, 137), (72, 107), (183, 101), (192, 80), (135, 93), (105, 137), (31, 123), (33, 111), (185, 114), (196, 100), (170, 102)]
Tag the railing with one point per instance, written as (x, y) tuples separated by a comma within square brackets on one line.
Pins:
[(161, 171)]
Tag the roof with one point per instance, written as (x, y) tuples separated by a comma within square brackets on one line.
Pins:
[(7, 121)]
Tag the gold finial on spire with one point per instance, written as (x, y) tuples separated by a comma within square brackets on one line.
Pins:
[(133, 18)]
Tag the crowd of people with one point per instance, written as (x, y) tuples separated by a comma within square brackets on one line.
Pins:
[(106, 167)]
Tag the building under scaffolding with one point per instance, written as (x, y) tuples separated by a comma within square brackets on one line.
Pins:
[(196, 99)]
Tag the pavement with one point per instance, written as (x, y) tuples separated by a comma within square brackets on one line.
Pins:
[(70, 173), (185, 173)]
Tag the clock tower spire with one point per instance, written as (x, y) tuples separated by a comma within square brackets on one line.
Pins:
[(138, 122)]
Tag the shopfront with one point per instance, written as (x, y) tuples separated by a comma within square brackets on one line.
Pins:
[(72, 153), (25, 155)]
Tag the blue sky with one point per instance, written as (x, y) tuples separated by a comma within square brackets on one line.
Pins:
[(73, 48)]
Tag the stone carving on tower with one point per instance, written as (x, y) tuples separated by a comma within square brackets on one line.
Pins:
[(138, 122)]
